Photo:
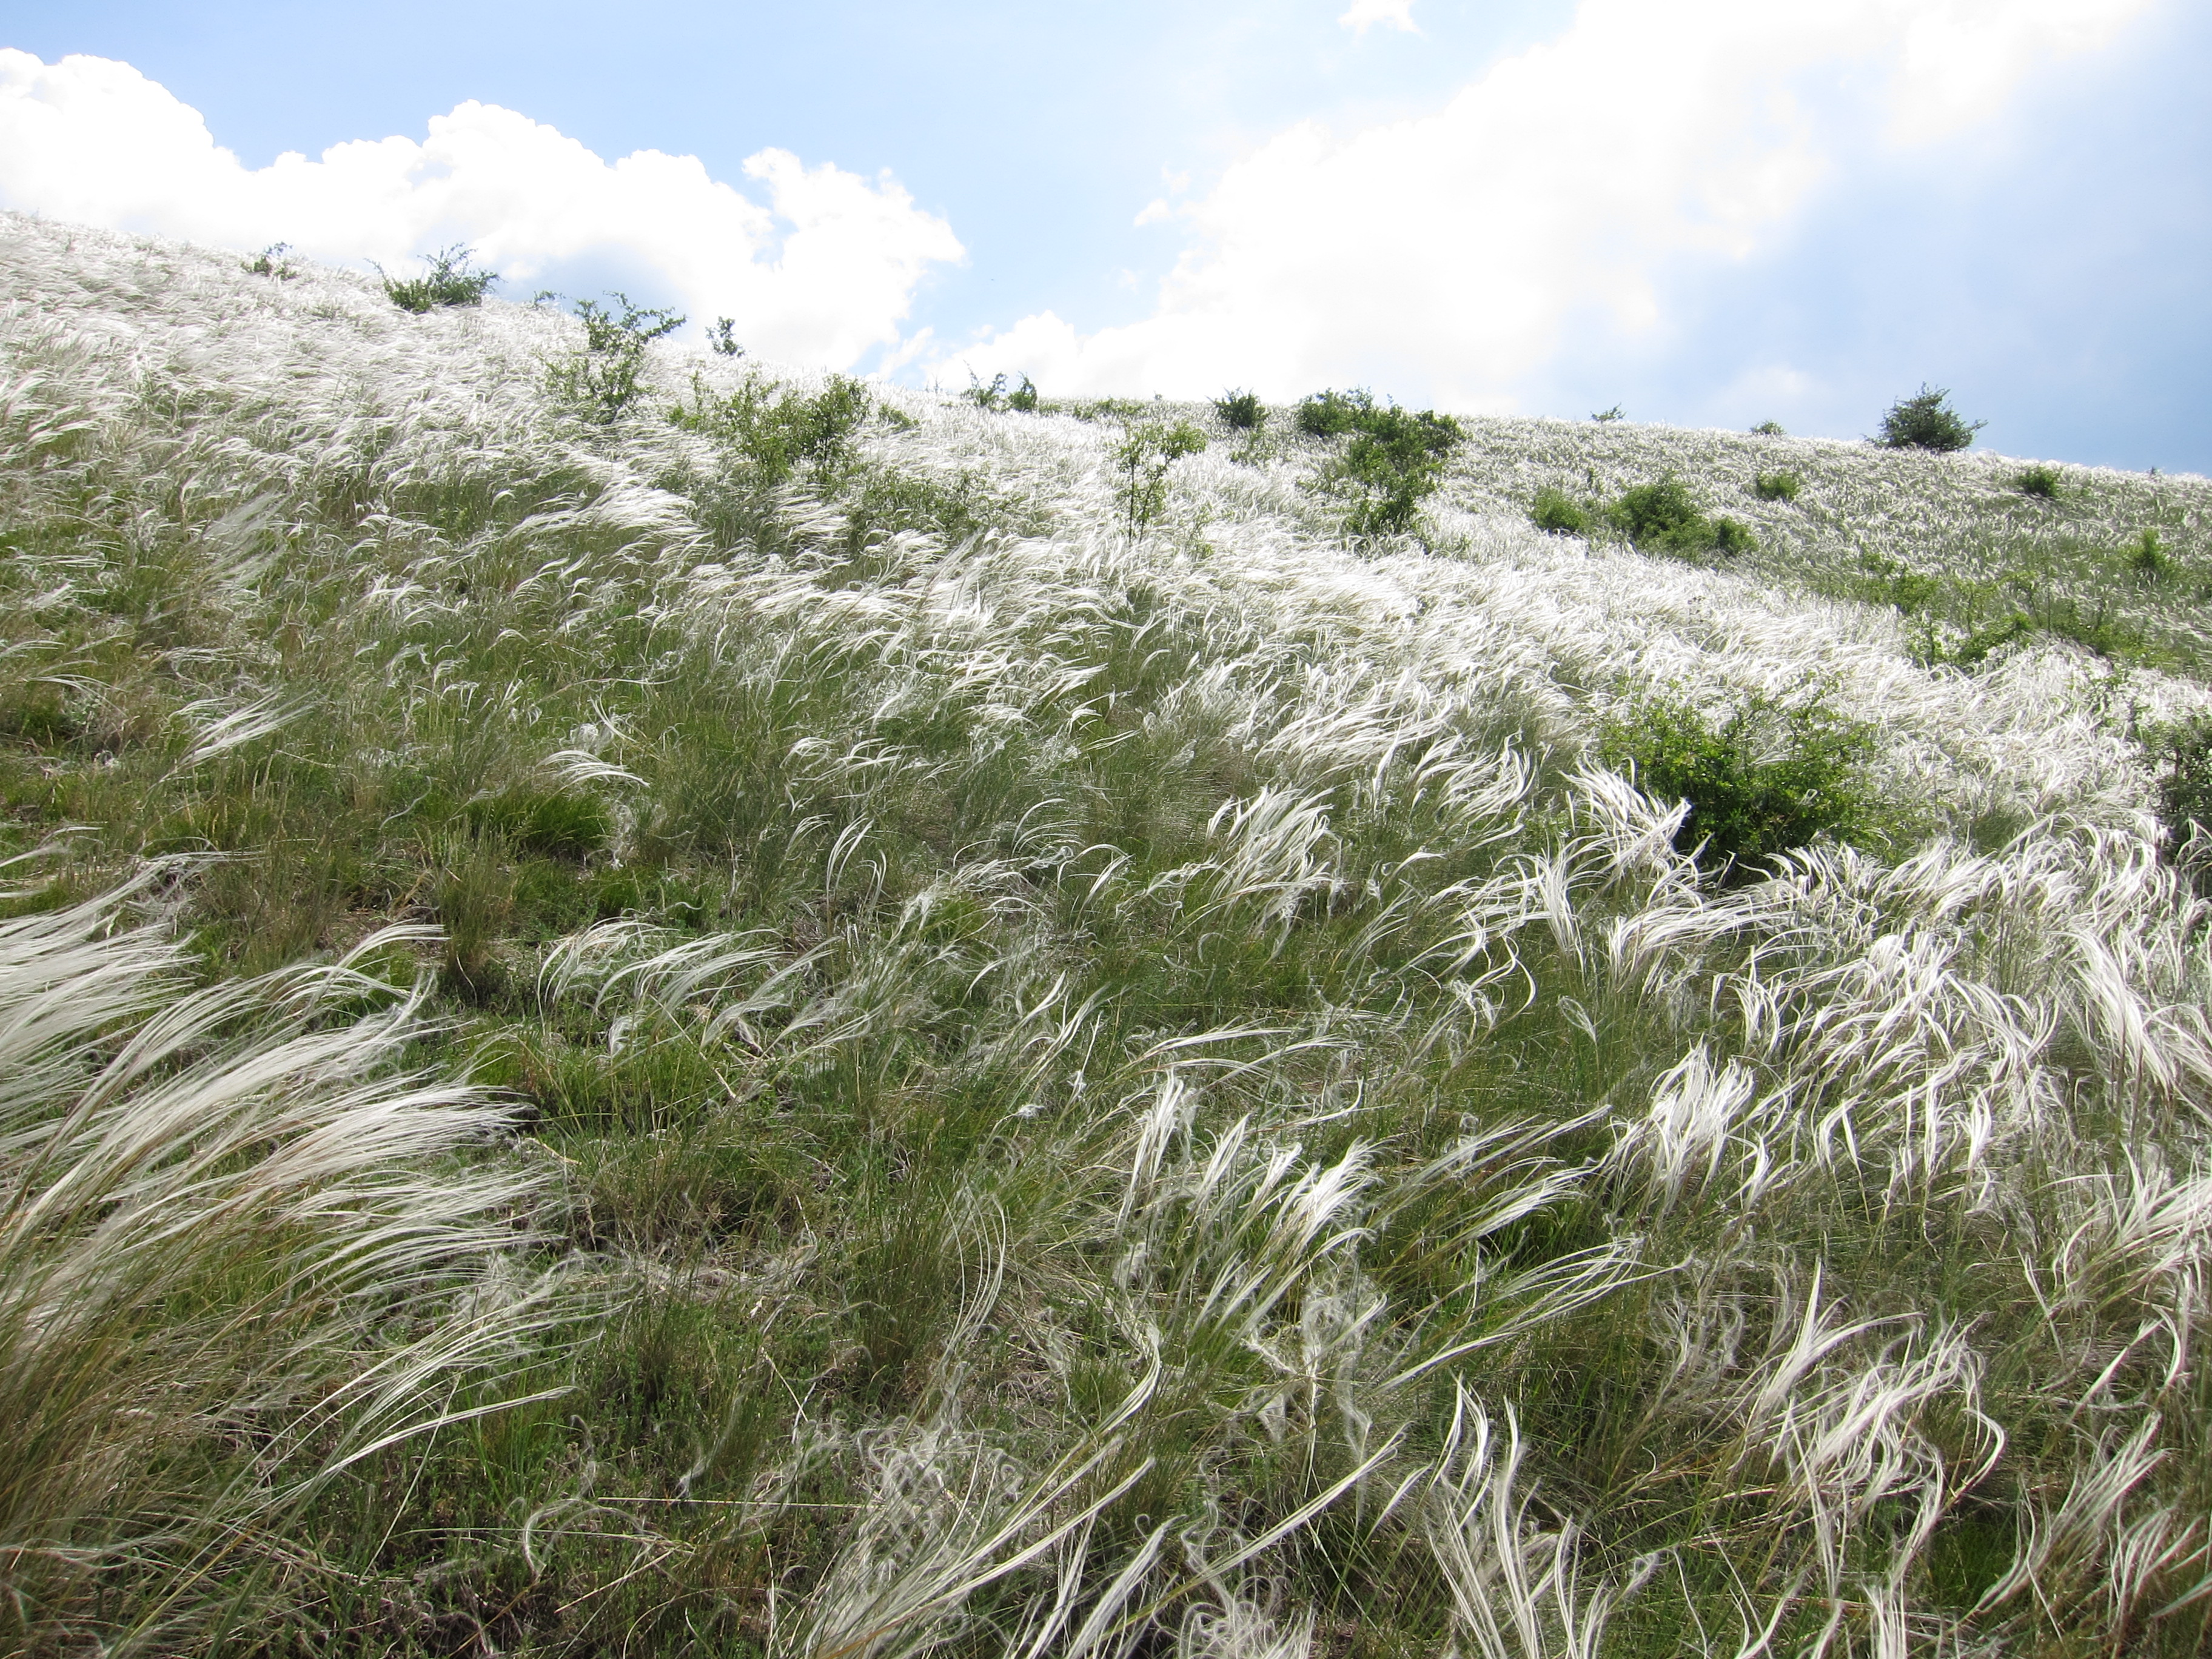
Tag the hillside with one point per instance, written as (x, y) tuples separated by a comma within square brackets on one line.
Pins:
[(656, 1006)]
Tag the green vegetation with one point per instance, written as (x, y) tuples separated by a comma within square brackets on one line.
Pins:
[(1781, 486), (1146, 452), (1926, 421), (771, 433), (1607, 417), (1665, 517), (1241, 411), (605, 380), (1556, 511), (271, 262), (722, 337), (2046, 481), (1770, 429), (1771, 775), (1332, 414), (739, 1031), (1394, 461), (2185, 797), (449, 281)]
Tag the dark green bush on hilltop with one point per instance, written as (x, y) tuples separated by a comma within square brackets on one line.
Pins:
[(449, 281), (2039, 480), (1332, 414), (603, 381), (1926, 421), (772, 432), (1241, 411), (1394, 461)]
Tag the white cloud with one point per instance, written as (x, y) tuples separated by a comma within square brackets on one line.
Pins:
[(824, 272), (1365, 14), (1449, 256)]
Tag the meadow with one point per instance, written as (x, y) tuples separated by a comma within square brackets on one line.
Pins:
[(656, 1006)]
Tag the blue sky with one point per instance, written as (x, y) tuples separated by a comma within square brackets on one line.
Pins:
[(1670, 204)]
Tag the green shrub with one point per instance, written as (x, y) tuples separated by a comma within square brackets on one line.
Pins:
[(2148, 559), (1731, 537), (1561, 513), (271, 262), (723, 337), (1144, 456), (2039, 480), (1241, 411), (1331, 414), (772, 436), (1394, 462), (1926, 421), (1023, 398), (603, 381), (1777, 486), (1768, 777), (1665, 517), (1770, 429), (986, 394), (449, 281), (1607, 417)]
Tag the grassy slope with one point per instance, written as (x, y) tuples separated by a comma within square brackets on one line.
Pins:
[(1131, 1063)]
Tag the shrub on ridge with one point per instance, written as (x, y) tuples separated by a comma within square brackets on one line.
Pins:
[(1926, 421)]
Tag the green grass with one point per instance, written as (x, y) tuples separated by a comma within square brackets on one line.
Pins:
[(1010, 1036)]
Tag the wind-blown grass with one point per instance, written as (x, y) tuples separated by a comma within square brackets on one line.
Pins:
[(237, 1258), (1121, 1090)]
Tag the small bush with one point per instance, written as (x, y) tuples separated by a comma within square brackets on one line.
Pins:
[(1241, 411), (1331, 414), (1926, 421), (271, 262), (449, 281), (1394, 461), (603, 381), (772, 436), (1770, 429), (2039, 480), (986, 394), (1663, 517), (1023, 398), (1556, 511), (723, 337), (1607, 417), (1144, 456), (1777, 486), (2148, 559), (1767, 777), (1731, 537)]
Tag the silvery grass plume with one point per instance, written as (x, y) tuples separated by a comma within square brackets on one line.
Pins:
[(241, 1251), (1008, 967)]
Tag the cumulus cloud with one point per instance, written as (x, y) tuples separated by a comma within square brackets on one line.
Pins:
[(1365, 14), (1449, 256), (824, 271)]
